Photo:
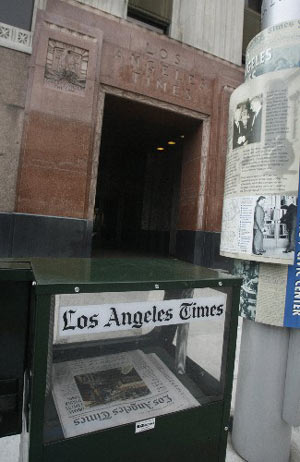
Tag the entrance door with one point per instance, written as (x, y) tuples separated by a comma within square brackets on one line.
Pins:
[(139, 176)]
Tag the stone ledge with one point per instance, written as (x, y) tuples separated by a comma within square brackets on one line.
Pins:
[(15, 38)]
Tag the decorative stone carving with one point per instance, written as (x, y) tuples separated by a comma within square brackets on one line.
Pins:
[(22, 37), (66, 67), (4, 31), (15, 38)]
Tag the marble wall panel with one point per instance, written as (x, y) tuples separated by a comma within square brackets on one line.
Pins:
[(57, 145), (13, 85)]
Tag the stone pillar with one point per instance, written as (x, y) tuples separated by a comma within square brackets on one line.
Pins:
[(267, 395), (54, 211), (276, 11), (259, 433)]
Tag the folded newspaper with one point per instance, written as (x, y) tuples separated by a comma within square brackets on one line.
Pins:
[(107, 391)]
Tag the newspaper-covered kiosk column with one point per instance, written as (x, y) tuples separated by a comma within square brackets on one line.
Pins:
[(261, 231), (131, 359)]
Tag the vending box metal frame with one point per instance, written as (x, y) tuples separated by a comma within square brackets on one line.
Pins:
[(15, 285), (198, 433)]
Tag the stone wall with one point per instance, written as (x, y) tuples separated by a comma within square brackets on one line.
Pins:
[(13, 87), (78, 57), (115, 7), (215, 26)]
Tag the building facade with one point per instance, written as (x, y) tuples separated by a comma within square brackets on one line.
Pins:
[(90, 89)]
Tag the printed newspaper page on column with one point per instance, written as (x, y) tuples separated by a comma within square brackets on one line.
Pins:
[(261, 184)]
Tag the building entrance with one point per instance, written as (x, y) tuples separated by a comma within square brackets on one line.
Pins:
[(139, 178)]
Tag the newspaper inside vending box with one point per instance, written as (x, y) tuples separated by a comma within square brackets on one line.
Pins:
[(117, 358)]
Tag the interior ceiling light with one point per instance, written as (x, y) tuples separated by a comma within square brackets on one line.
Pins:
[(171, 142), (160, 148), (181, 136)]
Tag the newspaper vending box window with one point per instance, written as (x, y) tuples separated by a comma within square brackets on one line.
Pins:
[(131, 360)]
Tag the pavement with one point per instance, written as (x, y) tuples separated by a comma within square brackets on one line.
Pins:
[(9, 446)]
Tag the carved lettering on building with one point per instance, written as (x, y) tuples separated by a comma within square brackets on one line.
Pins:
[(66, 67), (162, 53), (159, 71)]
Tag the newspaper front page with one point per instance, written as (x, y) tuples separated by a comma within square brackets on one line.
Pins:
[(107, 391)]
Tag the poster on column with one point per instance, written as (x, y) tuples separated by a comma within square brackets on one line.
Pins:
[(292, 299), (278, 294), (276, 11), (274, 49), (261, 181)]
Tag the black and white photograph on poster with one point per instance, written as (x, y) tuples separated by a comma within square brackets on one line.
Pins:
[(274, 225), (247, 123), (248, 270), (288, 220)]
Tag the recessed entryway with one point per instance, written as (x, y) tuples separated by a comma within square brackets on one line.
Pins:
[(139, 178)]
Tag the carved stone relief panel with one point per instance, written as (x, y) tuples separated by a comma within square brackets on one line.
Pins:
[(66, 67)]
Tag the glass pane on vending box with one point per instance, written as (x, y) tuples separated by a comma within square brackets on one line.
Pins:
[(122, 357)]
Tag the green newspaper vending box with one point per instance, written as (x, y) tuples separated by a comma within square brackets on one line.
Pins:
[(125, 359)]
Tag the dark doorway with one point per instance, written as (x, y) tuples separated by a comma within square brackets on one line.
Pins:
[(138, 186)]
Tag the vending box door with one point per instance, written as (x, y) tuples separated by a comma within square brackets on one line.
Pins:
[(15, 284)]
